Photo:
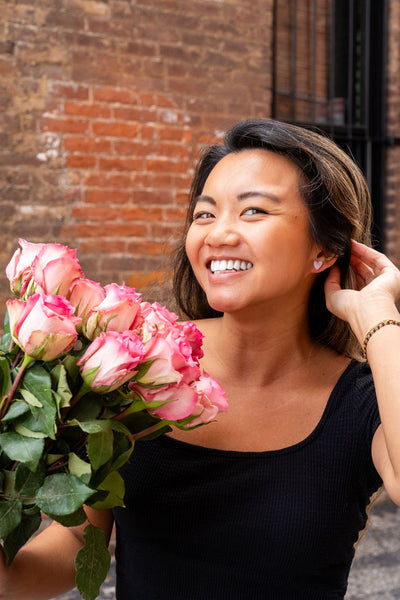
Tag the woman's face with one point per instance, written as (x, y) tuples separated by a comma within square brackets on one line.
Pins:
[(249, 243)]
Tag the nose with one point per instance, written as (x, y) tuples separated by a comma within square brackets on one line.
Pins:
[(222, 232)]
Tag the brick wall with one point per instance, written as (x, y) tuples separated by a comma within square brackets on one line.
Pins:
[(392, 208), (104, 106)]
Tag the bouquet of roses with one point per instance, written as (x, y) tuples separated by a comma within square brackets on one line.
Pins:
[(84, 372)]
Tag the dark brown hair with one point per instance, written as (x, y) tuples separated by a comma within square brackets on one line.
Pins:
[(336, 195)]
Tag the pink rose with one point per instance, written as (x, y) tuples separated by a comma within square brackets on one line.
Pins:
[(110, 360), (46, 268), (153, 318), (194, 336), (118, 311), (84, 295), (44, 327), (172, 403), (211, 400), (170, 355)]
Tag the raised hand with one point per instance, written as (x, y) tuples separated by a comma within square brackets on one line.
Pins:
[(377, 289)]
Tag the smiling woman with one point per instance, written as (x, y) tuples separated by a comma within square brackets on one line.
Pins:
[(251, 212), (268, 500)]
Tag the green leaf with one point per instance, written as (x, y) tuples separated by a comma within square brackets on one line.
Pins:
[(21, 534), (62, 494), (94, 426), (5, 377), (100, 447), (21, 429), (92, 563), (38, 382), (60, 381), (30, 398), (123, 448), (10, 516), (121, 428), (114, 485), (28, 483), (69, 362), (15, 410), (6, 342), (72, 520), (87, 409), (79, 468), (21, 448)]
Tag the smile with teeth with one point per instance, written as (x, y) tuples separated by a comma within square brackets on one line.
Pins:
[(223, 266)]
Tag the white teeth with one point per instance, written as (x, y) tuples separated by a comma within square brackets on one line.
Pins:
[(230, 265)]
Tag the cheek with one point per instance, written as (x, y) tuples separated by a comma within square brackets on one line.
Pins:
[(191, 246)]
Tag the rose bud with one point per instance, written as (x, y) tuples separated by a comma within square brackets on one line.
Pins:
[(171, 360), (44, 327), (211, 400), (173, 403), (111, 359), (84, 295), (46, 268), (118, 311)]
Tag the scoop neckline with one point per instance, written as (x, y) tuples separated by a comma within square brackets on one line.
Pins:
[(199, 449)]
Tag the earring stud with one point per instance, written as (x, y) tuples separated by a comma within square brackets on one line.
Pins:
[(317, 264)]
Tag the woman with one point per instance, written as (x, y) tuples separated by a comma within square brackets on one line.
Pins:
[(268, 501)]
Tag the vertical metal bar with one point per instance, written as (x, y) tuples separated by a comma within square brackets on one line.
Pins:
[(314, 61), (350, 70), (294, 62), (331, 90), (274, 57), (367, 59)]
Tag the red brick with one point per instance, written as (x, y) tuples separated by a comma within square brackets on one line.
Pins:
[(121, 164), (103, 246), (135, 213), (65, 125), (167, 166), (143, 247), (70, 91), (100, 196), (96, 212), (115, 129), (87, 110), (135, 148), (111, 94), (171, 133), (81, 161), (107, 230), (87, 145)]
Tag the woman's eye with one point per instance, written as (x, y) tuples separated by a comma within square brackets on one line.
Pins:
[(202, 215), (254, 211)]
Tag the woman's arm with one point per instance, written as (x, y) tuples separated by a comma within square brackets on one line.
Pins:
[(44, 568), (375, 301)]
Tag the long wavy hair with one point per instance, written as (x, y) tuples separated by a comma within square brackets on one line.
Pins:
[(336, 195)]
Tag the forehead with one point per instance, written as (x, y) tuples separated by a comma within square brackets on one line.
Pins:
[(241, 171)]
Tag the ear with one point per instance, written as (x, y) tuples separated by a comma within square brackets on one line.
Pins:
[(322, 262)]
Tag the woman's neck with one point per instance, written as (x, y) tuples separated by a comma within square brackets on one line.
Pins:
[(262, 350)]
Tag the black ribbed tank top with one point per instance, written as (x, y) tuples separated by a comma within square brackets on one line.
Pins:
[(206, 524)]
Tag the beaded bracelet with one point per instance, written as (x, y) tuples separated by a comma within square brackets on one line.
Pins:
[(371, 332)]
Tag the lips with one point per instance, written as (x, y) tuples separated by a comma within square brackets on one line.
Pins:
[(230, 265)]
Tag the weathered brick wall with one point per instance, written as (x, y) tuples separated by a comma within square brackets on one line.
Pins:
[(392, 208), (103, 108)]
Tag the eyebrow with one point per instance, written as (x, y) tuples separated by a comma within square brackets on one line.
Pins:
[(240, 197)]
